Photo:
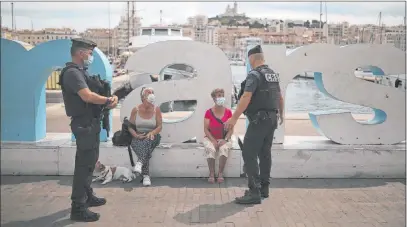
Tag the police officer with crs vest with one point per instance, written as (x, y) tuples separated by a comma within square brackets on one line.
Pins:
[(80, 102), (262, 103)]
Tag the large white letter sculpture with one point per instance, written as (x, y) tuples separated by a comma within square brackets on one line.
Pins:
[(213, 72), (337, 65)]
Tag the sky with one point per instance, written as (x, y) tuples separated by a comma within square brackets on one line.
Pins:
[(82, 15)]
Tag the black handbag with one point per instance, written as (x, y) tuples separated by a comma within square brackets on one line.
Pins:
[(123, 137)]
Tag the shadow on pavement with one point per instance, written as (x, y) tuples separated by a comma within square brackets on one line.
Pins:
[(209, 213), (53, 220), (202, 182)]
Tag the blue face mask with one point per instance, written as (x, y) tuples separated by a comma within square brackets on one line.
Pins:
[(88, 61)]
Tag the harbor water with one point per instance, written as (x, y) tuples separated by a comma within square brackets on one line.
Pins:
[(302, 96)]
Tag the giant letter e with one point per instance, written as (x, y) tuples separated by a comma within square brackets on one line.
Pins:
[(213, 71)]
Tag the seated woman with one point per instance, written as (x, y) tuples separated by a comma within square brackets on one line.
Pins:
[(148, 120), (217, 140)]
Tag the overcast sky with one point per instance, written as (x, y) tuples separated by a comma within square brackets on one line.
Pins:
[(82, 15)]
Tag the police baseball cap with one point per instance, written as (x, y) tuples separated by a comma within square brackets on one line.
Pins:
[(255, 50), (83, 43)]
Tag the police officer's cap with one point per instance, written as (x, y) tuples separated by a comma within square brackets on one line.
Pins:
[(83, 43), (255, 50)]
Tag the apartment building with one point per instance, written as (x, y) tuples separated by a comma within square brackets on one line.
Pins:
[(276, 26), (6, 33), (338, 30), (242, 44), (124, 31), (102, 37), (47, 34), (396, 35), (199, 24), (188, 31), (198, 21), (337, 33), (199, 30), (212, 35)]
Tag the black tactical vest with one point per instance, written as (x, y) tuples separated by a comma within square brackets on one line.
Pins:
[(267, 95), (77, 107)]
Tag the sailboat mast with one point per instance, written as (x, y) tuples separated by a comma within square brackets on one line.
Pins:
[(132, 19), (320, 21), (12, 17), (326, 21), (128, 23), (380, 27), (108, 40)]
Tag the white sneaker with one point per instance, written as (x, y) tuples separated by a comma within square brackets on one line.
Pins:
[(146, 180), (137, 167)]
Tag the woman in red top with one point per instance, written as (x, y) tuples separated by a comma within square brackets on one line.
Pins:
[(217, 140)]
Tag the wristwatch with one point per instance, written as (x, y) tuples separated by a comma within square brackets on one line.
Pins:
[(108, 101)]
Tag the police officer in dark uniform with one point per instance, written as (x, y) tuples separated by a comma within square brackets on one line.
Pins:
[(261, 102), (79, 101)]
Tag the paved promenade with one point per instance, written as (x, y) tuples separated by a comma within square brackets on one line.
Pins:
[(44, 202)]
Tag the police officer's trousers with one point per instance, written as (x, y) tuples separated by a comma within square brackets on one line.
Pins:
[(86, 131), (257, 144)]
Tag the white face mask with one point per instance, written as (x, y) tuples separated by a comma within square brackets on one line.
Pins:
[(220, 101), (151, 98)]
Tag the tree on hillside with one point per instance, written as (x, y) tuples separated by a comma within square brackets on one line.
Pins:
[(307, 24), (232, 22), (256, 24)]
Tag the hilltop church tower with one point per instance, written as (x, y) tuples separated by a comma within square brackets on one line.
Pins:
[(231, 11)]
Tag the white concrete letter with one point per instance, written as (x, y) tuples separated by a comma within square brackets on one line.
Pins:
[(213, 72), (337, 65)]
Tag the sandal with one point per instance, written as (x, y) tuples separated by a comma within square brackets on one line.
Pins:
[(211, 180), (220, 179)]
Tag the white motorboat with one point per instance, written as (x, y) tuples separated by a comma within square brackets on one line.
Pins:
[(149, 35), (376, 75)]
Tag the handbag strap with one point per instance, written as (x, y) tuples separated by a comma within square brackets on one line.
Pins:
[(217, 119), (130, 156), (220, 121)]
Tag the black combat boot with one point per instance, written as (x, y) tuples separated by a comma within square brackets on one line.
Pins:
[(250, 197), (264, 191), (80, 213), (94, 201)]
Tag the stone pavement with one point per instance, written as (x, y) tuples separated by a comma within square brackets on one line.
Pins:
[(44, 201)]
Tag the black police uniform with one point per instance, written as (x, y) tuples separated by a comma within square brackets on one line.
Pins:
[(261, 112), (85, 125)]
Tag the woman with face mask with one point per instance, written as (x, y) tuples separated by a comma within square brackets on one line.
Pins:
[(148, 120), (217, 141)]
